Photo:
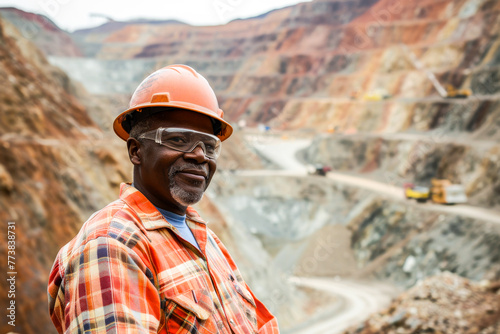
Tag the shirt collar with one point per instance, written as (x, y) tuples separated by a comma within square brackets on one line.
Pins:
[(151, 218)]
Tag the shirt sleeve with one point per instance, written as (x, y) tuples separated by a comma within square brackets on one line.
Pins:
[(106, 288)]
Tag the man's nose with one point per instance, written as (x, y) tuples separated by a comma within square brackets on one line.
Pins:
[(198, 153)]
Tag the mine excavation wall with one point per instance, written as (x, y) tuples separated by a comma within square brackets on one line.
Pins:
[(312, 64), (312, 91)]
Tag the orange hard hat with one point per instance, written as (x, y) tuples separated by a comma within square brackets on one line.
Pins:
[(175, 86)]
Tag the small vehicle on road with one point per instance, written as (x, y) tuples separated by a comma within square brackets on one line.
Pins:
[(421, 194), (319, 170)]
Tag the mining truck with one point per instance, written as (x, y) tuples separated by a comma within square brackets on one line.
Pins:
[(454, 93), (444, 192)]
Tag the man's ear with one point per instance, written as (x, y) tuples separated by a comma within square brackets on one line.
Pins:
[(134, 151)]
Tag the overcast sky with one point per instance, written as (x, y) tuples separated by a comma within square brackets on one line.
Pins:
[(76, 14)]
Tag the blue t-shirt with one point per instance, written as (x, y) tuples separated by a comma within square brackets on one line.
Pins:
[(180, 224)]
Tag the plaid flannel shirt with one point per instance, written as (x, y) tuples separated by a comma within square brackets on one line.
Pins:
[(129, 271)]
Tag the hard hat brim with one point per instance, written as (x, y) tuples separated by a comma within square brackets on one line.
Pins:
[(226, 130)]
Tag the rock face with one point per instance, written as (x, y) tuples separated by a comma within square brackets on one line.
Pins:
[(446, 303), (407, 244), (56, 168), (310, 65), (279, 30), (42, 32)]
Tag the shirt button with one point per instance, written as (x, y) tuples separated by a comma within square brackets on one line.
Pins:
[(232, 322)]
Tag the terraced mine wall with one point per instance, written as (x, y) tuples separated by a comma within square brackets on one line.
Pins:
[(312, 65)]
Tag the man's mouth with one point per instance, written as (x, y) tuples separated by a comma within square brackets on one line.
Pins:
[(196, 174), (192, 172)]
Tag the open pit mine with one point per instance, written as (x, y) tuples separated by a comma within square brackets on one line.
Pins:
[(358, 125)]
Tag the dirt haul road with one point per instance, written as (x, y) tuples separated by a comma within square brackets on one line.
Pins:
[(398, 194), (356, 301)]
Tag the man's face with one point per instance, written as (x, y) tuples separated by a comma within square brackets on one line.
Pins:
[(171, 179)]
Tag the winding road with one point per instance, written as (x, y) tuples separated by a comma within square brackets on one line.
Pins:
[(356, 301)]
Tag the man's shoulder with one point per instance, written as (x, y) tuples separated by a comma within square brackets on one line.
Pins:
[(116, 220), (115, 215)]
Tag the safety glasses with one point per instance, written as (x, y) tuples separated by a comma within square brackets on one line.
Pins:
[(184, 140)]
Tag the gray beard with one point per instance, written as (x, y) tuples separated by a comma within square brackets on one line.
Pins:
[(182, 196)]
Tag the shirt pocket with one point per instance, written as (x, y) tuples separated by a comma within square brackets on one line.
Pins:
[(190, 312)]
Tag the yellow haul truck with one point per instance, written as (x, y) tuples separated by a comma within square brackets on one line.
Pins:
[(444, 192)]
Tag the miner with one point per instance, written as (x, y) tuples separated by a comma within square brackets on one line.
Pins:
[(147, 262)]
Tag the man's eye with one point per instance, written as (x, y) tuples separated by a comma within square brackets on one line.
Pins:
[(177, 140)]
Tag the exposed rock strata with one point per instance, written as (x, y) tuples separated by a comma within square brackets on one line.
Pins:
[(39, 29)]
